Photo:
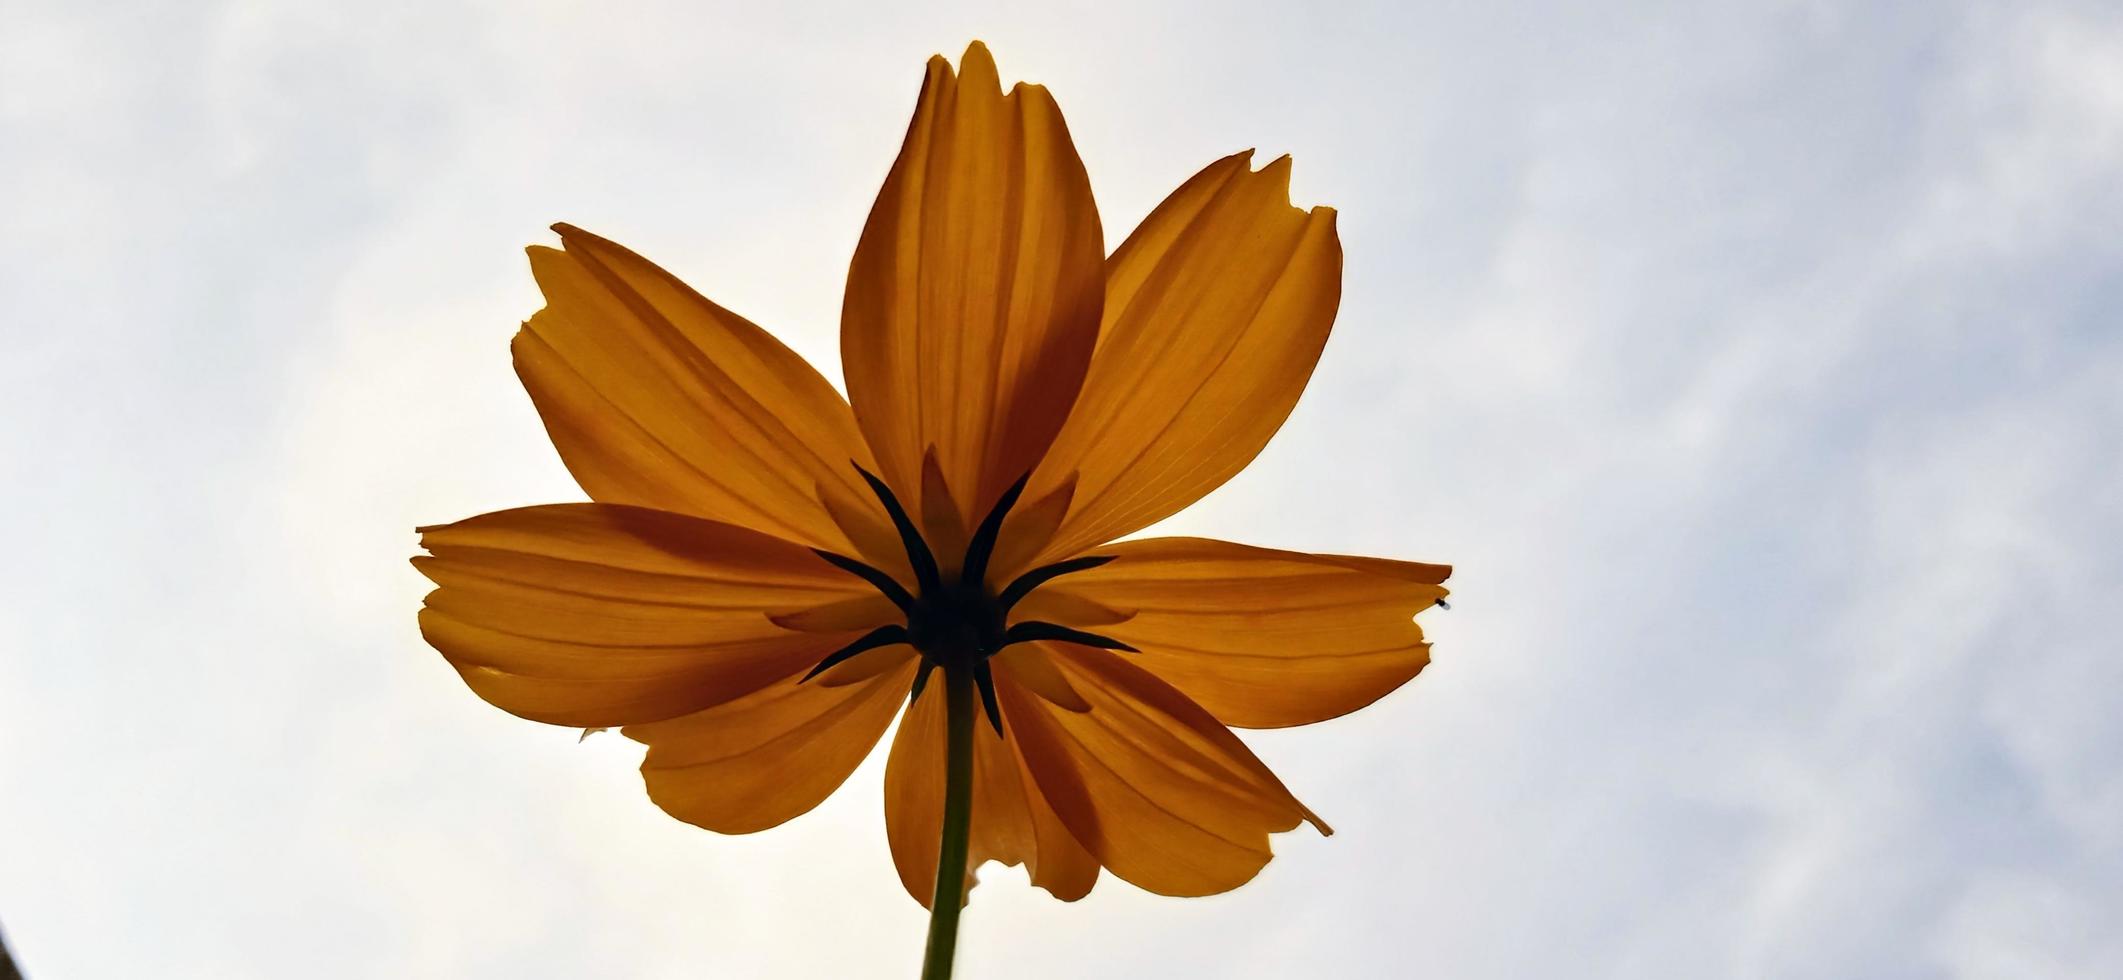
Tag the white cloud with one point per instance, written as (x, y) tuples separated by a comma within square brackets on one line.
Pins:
[(1753, 365)]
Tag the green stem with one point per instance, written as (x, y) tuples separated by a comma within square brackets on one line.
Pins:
[(950, 895)]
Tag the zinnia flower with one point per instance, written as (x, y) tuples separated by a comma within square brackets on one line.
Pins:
[(768, 571)]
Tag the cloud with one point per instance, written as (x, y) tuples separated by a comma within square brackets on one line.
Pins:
[(1753, 365)]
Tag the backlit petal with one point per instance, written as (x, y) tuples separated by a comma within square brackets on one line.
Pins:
[(1012, 822), (973, 298), (1052, 605), (866, 665), (1216, 310), (859, 614), (1149, 783), (1265, 638), (657, 397), (594, 615), (1031, 665), (753, 763)]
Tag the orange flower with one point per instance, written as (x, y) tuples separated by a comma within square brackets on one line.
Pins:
[(1023, 399)]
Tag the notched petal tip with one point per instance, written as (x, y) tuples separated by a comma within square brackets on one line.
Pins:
[(1278, 170), (977, 60), (575, 239), (974, 64)]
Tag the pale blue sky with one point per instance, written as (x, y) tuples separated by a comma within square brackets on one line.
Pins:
[(1758, 365)]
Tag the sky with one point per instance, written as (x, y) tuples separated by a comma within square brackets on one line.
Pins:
[(1758, 366)]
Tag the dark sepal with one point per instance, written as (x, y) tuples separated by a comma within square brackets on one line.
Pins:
[(884, 583), (921, 679), (1045, 573), (985, 679), (982, 547), (882, 636), (1036, 630), (918, 553)]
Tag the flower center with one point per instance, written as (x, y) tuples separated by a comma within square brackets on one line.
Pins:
[(957, 624), (960, 620)]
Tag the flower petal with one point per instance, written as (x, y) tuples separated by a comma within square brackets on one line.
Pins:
[(756, 762), (973, 298), (594, 615), (1032, 666), (858, 614), (657, 397), (1216, 310), (1052, 605), (1012, 822), (1265, 638), (866, 665), (1156, 789)]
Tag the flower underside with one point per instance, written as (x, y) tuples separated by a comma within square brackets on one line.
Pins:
[(958, 624)]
